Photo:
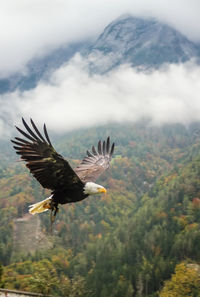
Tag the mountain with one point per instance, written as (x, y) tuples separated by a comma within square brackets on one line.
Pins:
[(40, 68), (143, 43)]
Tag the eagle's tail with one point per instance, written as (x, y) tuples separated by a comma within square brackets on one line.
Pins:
[(41, 206)]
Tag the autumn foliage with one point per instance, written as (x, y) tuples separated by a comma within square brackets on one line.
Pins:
[(139, 240)]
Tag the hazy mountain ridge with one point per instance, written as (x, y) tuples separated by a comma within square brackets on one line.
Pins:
[(142, 43), (40, 68)]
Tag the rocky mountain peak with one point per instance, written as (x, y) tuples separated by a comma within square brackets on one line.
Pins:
[(141, 43)]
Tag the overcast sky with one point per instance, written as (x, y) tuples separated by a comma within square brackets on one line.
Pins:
[(72, 98)]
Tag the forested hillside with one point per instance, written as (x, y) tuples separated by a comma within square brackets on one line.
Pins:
[(126, 243)]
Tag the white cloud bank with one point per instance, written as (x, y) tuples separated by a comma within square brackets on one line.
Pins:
[(74, 99), (35, 27)]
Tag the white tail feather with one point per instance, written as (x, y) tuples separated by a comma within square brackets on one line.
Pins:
[(41, 206)]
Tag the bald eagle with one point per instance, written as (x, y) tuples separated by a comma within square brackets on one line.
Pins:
[(53, 172)]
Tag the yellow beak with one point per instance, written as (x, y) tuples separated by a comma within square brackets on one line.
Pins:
[(102, 190)]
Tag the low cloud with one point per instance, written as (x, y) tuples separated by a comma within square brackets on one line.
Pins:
[(74, 99)]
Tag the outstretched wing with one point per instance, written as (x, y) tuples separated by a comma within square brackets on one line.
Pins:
[(96, 162), (47, 166)]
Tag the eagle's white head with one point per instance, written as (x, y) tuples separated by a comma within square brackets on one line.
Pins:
[(91, 188)]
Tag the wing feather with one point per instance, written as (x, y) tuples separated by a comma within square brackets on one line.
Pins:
[(112, 149), (37, 131), (21, 140), (100, 147), (47, 166), (94, 151), (46, 134), (30, 131), (96, 162), (108, 145), (104, 148), (25, 134), (90, 154)]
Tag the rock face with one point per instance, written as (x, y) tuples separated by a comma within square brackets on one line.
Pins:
[(28, 235), (14, 293), (141, 43)]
